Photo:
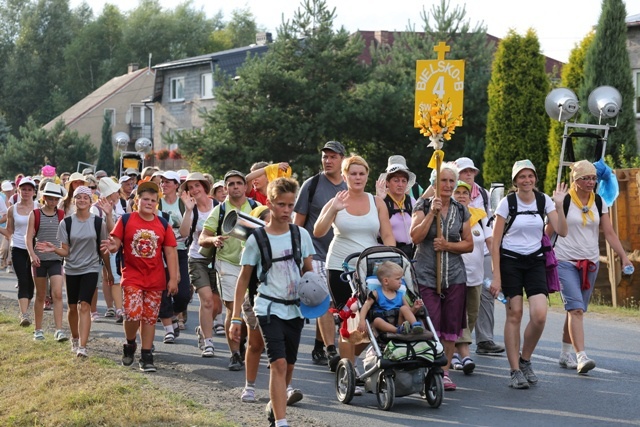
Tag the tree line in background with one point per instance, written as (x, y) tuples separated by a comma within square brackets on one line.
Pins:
[(311, 87)]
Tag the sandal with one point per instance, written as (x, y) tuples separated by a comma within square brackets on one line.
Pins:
[(456, 363), (468, 365), (448, 384)]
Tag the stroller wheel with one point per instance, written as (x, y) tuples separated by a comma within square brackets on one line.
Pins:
[(345, 381), (385, 391), (433, 388)]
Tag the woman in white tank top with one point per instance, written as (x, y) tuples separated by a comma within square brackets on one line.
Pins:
[(17, 221), (357, 218)]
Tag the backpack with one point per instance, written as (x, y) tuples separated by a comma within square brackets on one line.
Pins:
[(267, 260), (119, 255), (36, 216), (98, 226), (567, 202), (427, 206), (512, 202), (391, 206), (312, 192)]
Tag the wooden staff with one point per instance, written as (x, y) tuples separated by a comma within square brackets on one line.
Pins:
[(438, 228)]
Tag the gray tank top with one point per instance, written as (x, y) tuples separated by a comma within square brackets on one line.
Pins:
[(48, 232)]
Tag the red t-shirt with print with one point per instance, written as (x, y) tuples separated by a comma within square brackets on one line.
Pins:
[(257, 196), (142, 247)]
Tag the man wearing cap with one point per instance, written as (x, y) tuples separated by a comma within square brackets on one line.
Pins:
[(314, 194), (175, 208), (228, 250), (219, 192), (279, 291), (485, 322)]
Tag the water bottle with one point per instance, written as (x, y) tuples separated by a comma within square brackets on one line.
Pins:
[(487, 284), (628, 270)]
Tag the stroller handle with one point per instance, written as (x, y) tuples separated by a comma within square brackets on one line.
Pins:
[(345, 263)]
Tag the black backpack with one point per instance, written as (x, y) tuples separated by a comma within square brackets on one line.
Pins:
[(391, 206), (567, 202), (512, 202), (267, 260), (98, 226)]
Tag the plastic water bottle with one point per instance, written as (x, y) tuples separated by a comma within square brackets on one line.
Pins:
[(628, 270), (487, 284)]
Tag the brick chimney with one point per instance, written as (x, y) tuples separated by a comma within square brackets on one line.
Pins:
[(132, 67), (263, 38)]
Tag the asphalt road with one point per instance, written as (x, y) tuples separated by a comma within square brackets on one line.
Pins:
[(608, 396)]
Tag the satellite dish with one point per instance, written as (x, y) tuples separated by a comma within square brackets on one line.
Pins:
[(604, 102), (121, 139), (143, 145), (561, 104)]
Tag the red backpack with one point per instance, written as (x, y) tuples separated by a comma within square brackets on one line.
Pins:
[(36, 216)]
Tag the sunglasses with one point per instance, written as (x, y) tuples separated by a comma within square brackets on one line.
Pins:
[(93, 188), (587, 178)]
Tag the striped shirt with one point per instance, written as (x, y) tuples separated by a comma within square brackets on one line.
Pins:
[(48, 232)]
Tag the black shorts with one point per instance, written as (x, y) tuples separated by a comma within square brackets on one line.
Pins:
[(281, 337), (528, 273), (48, 269), (81, 288), (339, 289)]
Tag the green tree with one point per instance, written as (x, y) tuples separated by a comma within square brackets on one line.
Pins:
[(388, 99), (240, 31), (286, 105), (35, 147), (105, 156), (4, 131), (572, 78), (517, 124), (607, 63)]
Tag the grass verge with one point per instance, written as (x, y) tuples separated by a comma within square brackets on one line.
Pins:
[(43, 384), (597, 305)]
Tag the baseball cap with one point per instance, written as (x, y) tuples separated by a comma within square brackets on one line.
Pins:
[(464, 184), (172, 175), (218, 184), (314, 295), (520, 165), (132, 171), (234, 173), (100, 174), (148, 184), (7, 186), (124, 178), (336, 147), (27, 180), (183, 174)]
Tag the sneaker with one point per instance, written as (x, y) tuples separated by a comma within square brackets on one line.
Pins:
[(319, 357), (404, 328), (75, 343), (448, 384), (527, 371), (176, 329), (270, 416), (235, 362), (128, 354), (10, 270), (218, 329), (248, 395), (585, 365), (567, 361), (95, 316), (417, 328), (359, 391), (60, 336), (208, 351), (169, 338), (518, 380), (119, 316), (200, 336), (146, 363), (293, 396), (24, 320), (47, 304), (81, 353), (489, 347), (38, 335), (111, 312), (468, 365), (456, 363)]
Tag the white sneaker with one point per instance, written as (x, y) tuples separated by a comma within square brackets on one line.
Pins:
[(293, 396), (75, 343), (567, 361), (248, 395), (585, 365)]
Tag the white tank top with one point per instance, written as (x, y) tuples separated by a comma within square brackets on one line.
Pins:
[(353, 233), (20, 223)]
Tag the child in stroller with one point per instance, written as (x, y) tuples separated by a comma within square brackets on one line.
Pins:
[(389, 309)]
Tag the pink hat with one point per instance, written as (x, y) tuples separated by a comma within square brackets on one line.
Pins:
[(49, 171)]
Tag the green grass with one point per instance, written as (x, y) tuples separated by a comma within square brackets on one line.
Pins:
[(43, 384), (628, 308)]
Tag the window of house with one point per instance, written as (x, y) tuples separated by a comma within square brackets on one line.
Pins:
[(177, 89), (206, 85), (636, 101), (111, 114)]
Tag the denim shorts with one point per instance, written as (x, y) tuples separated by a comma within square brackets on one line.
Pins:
[(573, 296)]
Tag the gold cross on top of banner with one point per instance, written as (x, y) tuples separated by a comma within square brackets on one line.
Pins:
[(442, 49)]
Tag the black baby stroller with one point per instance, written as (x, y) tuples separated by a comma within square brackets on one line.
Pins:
[(395, 365)]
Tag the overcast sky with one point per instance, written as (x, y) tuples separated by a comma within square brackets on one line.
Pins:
[(560, 24)]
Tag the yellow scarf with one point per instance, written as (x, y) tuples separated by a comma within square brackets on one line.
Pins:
[(476, 215), (586, 210), (400, 204)]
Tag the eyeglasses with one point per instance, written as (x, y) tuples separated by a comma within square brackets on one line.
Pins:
[(587, 178)]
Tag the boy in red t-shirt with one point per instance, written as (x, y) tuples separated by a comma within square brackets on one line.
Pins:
[(143, 273)]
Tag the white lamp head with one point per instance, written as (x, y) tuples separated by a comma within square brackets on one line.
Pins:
[(143, 145), (605, 102), (121, 139), (561, 104)]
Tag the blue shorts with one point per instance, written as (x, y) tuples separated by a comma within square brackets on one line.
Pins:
[(573, 296)]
